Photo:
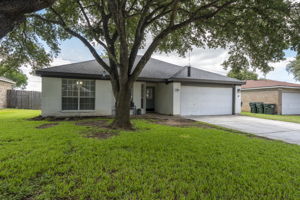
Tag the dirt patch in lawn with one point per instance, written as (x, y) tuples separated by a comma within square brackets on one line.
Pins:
[(170, 120), (95, 123), (41, 118), (101, 135), (43, 126), (181, 122), (105, 133)]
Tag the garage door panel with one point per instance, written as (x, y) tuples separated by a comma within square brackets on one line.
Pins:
[(290, 103), (206, 100)]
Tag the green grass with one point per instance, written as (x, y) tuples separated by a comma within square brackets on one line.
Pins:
[(154, 162), (285, 118)]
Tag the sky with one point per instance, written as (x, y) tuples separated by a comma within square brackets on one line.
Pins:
[(208, 59)]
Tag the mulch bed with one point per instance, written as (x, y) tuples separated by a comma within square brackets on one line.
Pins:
[(43, 126)]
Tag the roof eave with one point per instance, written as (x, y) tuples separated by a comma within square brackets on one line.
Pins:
[(272, 87), (207, 81)]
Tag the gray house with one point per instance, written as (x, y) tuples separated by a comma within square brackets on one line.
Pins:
[(84, 89)]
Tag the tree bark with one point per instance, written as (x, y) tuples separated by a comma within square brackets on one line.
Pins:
[(7, 23), (12, 12), (122, 108)]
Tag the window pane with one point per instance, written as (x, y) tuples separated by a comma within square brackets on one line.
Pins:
[(87, 103), (87, 89), (69, 103), (69, 88)]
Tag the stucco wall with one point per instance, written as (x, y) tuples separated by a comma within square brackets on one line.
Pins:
[(167, 98), (51, 99), (267, 96), (163, 98), (137, 95), (4, 86), (104, 102)]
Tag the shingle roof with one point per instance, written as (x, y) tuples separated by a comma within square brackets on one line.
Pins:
[(6, 80), (268, 83), (155, 70)]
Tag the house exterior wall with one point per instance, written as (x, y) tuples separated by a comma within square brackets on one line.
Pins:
[(137, 96), (4, 86), (164, 98), (167, 98), (104, 99), (238, 99), (271, 96)]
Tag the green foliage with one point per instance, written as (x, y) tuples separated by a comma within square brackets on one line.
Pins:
[(294, 68), (255, 32), (16, 75), (243, 75), (285, 118), (154, 162)]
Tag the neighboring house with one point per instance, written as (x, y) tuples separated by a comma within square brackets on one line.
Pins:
[(5, 84), (285, 95), (84, 89)]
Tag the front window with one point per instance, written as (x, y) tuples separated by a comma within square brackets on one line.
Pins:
[(78, 94)]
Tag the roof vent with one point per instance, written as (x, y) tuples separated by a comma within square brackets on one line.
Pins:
[(189, 71)]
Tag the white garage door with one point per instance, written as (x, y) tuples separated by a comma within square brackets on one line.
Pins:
[(197, 100), (290, 103)]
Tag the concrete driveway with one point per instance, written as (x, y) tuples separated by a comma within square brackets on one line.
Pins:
[(278, 130)]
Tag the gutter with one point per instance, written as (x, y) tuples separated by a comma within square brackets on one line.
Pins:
[(184, 80), (271, 87)]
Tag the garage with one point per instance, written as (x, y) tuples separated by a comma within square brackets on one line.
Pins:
[(198, 100), (290, 103)]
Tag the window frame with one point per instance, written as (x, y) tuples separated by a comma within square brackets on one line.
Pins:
[(79, 83)]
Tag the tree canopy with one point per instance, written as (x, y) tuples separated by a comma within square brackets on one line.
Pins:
[(12, 12), (294, 68), (243, 75), (254, 31), (16, 75)]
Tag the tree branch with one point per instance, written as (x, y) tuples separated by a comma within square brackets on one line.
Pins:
[(77, 35), (144, 59)]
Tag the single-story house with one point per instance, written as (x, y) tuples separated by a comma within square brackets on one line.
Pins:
[(285, 95), (5, 84), (84, 89)]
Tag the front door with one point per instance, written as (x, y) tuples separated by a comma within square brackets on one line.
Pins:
[(150, 99)]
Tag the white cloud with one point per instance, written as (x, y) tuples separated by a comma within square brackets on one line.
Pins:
[(280, 72), (212, 59), (34, 82)]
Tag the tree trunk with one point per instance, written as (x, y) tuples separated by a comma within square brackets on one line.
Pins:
[(122, 114)]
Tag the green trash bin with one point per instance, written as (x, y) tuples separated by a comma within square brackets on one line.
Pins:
[(259, 107), (253, 107), (269, 109)]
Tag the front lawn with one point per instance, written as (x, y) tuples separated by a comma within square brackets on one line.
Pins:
[(285, 118), (63, 161)]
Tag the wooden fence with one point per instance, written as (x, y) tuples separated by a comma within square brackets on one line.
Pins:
[(23, 99)]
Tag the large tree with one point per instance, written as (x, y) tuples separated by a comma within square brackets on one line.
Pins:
[(242, 74), (254, 31), (16, 75), (294, 68), (12, 12)]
